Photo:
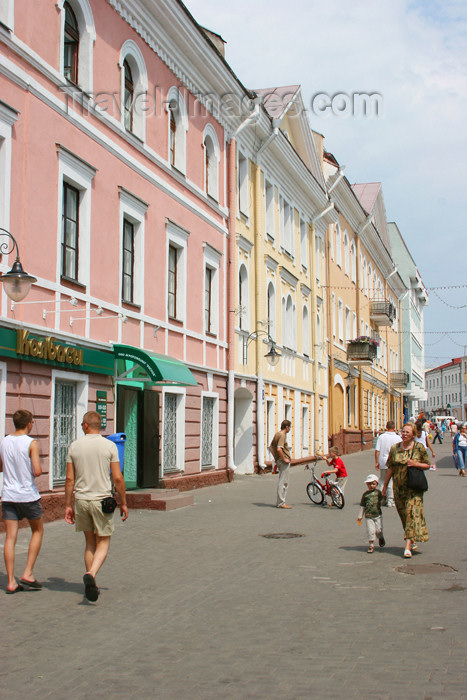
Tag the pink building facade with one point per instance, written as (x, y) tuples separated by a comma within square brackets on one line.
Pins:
[(114, 182)]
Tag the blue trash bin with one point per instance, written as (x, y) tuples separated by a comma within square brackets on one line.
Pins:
[(119, 439)]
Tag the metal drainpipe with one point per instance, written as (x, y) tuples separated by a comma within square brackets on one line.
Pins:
[(315, 341), (258, 341), (232, 152)]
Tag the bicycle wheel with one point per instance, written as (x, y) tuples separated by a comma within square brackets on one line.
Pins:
[(337, 497), (315, 493)]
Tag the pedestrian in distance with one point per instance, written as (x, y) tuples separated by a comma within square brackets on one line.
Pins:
[(383, 445), (438, 434), (422, 436), (20, 462), (370, 507), (409, 502), (92, 465), (281, 453), (459, 449)]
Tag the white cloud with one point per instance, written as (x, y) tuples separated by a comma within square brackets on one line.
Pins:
[(414, 53)]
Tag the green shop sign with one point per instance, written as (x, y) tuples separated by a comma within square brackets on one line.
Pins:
[(22, 344)]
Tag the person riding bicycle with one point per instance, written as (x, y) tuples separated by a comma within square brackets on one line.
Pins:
[(338, 465)]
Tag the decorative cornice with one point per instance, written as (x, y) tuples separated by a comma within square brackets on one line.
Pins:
[(244, 244), (271, 264), (288, 277)]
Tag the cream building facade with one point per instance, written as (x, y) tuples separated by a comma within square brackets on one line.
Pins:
[(282, 215)]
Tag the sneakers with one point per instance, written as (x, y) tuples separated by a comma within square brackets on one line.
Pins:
[(433, 468)]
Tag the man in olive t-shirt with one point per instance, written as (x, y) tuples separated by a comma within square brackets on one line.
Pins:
[(91, 461), (281, 454)]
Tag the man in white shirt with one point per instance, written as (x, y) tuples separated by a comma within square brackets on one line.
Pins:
[(19, 460), (383, 446)]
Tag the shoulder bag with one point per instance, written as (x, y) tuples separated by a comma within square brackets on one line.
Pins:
[(416, 479)]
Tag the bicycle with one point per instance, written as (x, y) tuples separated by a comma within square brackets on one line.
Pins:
[(316, 490)]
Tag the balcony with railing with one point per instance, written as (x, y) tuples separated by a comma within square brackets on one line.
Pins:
[(399, 379), (362, 351), (382, 313)]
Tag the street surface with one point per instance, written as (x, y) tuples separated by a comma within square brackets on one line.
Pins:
[(198, 604)]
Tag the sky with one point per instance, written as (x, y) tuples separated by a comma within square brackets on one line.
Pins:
[(414, 55)]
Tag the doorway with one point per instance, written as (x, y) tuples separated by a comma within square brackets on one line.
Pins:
[(138, 418)]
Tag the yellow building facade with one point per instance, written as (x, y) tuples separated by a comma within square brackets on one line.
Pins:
[(282, 215)]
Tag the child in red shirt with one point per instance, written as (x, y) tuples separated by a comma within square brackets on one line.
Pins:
[(338, 465)]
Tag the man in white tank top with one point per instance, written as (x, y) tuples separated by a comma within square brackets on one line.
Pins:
[(19, 459)]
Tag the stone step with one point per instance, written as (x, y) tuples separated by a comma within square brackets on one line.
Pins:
[(159, 499)]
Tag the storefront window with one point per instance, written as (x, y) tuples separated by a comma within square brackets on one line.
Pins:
[(64, 426)]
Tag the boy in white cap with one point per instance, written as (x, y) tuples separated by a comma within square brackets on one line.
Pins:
[(370, 506)]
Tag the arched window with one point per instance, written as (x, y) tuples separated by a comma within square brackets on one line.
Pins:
[(211, 162), (370, 281), (288, 323), (134, 87), (178, 126), (346, 254), (128, 96), (243, 298), (353, 262), (306, 331), (71, 45), (77, 37), (338, 246), (271, 301)]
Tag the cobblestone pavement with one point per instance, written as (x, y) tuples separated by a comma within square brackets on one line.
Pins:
[(198, 603)]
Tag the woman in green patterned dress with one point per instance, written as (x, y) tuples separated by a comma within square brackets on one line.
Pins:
[(409, 503)]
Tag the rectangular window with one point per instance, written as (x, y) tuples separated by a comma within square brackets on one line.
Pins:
[(128, 267), (64, 426), (172, 281), (340, 319), (70, 231), (208, 275), (305, 430), (207, 432)]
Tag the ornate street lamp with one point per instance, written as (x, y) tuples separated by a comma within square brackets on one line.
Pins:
[(16, 282), (272, 356)]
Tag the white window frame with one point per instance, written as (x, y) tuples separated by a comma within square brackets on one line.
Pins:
[(210, 141), (348, 327), (8, 117), (180, 430), (353, 262), (134, 210), (212, 258), (306, 331), (270, 214), (82, 397), (340, 320), (305, 428), (87, 37), (346, 254), (76, 172), (177, 237), (244, 283), (270, 421), (243, 185), (303, 245), (131, 53), (215, 429), (272, 318), (338, 246)]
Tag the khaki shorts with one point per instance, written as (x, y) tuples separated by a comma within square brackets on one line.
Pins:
[(90, 518)]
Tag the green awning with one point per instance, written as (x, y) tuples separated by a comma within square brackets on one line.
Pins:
[(142, 365)]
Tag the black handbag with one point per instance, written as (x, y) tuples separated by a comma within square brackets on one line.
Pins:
[(416, 479), (108, 504)]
